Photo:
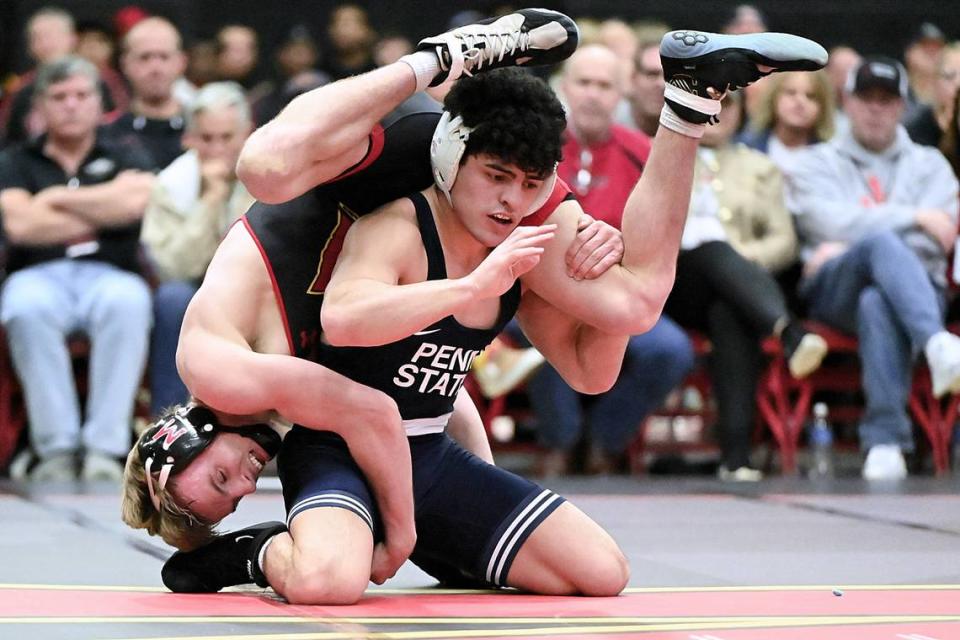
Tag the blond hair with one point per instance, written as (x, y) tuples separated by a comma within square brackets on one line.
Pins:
[(174, 524), (765, 117)]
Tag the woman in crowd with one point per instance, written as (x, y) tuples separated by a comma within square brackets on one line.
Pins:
[(796, 111), (738, 231)]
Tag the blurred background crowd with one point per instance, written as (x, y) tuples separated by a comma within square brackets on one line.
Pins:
[(820, 237)]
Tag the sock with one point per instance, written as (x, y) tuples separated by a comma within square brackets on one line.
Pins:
[(260, 558), (425, 66), (670, 120)]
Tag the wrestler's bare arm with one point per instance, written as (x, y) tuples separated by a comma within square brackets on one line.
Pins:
[(321, 133), (588, 359), (229, 317), (377, 293), (627, 298)]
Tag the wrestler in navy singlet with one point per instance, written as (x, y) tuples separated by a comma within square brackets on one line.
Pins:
[(300, 239), (471, 517), (422, 372)]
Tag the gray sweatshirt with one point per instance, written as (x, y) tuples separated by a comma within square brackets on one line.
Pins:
[(840, 192)]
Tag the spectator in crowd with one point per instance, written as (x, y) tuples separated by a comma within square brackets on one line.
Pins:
[(843, 59), (602, 161), (238, 56), (877, 215), (152, 61), (950, 145), (201, 63), (72, 204), (795, 111), (921, 55), (192, 204), (929, 121), (390, 48), (97, 45), (51, 34), (738, 232), (746, 18), (351, 41), (296, 60), (646, 92)]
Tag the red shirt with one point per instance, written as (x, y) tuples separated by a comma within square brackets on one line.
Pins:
[(603, 175)]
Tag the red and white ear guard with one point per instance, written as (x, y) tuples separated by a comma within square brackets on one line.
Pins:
[(446, 150), (172, 443)]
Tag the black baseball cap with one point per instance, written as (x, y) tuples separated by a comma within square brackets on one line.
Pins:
[(878, 72)]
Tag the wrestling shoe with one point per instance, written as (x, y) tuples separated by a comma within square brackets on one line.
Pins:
[(710, 64), (229, 560), (528, 37)]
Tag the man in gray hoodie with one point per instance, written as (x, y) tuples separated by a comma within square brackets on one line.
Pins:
[(877, 215)]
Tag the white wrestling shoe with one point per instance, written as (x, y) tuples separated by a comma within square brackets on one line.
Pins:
[(528, 37)]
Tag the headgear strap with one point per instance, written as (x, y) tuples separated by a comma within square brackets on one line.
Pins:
[(446, 151)]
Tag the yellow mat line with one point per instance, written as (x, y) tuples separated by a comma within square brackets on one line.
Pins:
[(572, 630)]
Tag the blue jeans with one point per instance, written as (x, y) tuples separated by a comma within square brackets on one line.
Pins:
[(41, 306), (654, 364), (170, 302), (879, 290)]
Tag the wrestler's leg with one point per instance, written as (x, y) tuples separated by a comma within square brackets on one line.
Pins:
[(324, 559), (570, 554)]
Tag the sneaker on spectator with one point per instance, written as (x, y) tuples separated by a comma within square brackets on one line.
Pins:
[(943, 358), (98, 467), (20, 465), (804, 350), (61, 467), (740, 474), (527, 37), (500, 368), (885, 462)]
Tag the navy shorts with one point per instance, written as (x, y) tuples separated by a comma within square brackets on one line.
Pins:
[(469, 514)]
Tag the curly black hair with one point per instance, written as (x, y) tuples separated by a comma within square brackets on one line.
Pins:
[(515, 116)]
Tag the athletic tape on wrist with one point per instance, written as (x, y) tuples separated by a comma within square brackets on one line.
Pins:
[(672, 121), (706, 106), (425, 65)]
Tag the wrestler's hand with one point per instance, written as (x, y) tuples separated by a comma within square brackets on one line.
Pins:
[(512, 258), (389, 556), (596, 247)]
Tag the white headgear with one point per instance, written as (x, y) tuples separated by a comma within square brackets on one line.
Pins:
[(446, 150)]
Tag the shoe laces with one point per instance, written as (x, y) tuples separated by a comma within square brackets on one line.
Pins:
[(487, 48)]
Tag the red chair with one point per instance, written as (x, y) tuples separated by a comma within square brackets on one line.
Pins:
[(784, 403)]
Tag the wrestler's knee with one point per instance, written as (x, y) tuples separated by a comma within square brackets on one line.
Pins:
[(609, 576), (330, 580)]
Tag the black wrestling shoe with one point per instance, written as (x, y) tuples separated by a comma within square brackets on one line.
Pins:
[(527, 37), (229, 560), (697, 61)]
